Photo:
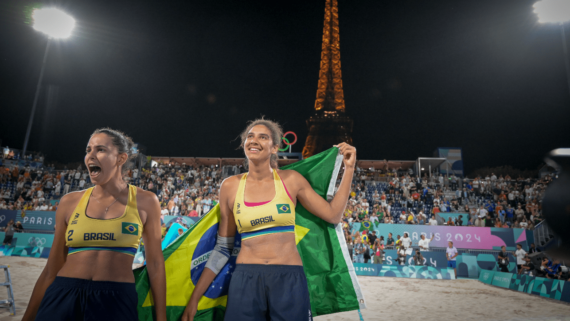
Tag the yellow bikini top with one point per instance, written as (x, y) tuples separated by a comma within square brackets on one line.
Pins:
[(119, 234), (256, 219)]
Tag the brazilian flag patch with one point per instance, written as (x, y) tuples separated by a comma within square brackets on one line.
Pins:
[(283, 209), (129, 228)]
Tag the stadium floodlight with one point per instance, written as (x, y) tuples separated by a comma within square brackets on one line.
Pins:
[(556, 11), (552, 11), (56, 24), (53, 22)]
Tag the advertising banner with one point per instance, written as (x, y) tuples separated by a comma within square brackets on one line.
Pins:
[(502, 279), (477, 238), (486, 276), (37, 220), (367, 269), (434, 259)]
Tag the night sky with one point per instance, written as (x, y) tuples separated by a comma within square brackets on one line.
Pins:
[(183, 78)]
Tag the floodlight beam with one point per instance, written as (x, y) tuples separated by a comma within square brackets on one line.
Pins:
[(39, 86), (55, 24)]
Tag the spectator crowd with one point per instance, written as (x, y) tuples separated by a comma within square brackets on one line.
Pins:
[(490, 201), (186, 190), (182, 190)]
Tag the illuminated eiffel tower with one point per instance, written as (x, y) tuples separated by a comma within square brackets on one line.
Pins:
[(329, 125)]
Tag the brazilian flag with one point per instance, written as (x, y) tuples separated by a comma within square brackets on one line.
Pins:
[(366, 226), (332, 282)]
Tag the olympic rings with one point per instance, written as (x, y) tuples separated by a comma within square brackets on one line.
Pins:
[(286, 141)]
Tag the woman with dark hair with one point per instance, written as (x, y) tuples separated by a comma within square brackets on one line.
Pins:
[(269, 282), (89, 270)]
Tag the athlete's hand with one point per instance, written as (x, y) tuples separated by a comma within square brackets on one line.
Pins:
[(189, 312), (349, 153)]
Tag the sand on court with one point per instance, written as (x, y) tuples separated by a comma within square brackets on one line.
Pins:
[(387, 298)]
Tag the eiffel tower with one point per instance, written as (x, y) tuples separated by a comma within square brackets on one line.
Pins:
[(329, 125)]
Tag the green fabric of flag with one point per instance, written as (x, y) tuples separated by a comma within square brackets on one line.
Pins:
[(366, 226), (332, 282)]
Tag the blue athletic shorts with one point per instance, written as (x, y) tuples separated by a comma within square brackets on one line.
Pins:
[(452, 264), (268, 292), (79, 299)]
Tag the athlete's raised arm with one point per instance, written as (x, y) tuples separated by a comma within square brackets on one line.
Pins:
[(57, 254), (152, 232), (330, 212), (217, 260)]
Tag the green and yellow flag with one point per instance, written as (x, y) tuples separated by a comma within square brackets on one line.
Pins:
[(333, 286), (366, 226)]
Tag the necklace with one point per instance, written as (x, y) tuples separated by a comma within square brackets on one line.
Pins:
[(107, 209)]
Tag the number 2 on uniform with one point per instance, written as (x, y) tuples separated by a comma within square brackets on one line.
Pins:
[(69, 236)]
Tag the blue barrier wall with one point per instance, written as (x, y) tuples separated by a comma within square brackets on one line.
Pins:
[(469, 265), (412, 272), (548, 288), (28, 244)]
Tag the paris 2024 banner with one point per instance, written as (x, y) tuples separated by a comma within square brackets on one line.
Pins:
[(474, 238)]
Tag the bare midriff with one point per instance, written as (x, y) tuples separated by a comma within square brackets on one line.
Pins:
[(277, 249), (99, 266)]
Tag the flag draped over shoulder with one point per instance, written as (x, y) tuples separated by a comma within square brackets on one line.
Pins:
[(332, 282)]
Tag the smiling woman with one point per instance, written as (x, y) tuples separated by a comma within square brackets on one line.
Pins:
[(89, 270), (274, 135), (269, 282)]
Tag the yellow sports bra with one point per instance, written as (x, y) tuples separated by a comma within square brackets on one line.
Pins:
[(119, 234), (256, 219)]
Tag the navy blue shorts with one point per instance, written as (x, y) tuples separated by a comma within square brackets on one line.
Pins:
[(79, 299), (452, 264), (268, 292)]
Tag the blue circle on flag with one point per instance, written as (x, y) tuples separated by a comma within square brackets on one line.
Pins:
[(221, 283)]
